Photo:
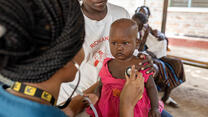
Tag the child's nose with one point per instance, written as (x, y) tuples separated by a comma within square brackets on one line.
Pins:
[(120, 47)]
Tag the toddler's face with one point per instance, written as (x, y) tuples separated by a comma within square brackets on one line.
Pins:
[(123, 43)]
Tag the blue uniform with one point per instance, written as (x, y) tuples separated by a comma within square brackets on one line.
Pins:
[(14, 106)]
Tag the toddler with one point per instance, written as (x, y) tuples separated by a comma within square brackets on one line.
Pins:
[(123, 41)]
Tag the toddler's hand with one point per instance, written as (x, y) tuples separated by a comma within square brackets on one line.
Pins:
[(154, 113)]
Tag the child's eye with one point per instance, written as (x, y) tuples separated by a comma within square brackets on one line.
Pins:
[(114, 43), (125, 43)]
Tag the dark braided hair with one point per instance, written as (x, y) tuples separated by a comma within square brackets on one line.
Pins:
[(41, 37), (143, 7), (141, 17)]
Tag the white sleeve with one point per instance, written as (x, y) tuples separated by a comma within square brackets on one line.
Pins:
[(127, 15), (118, 11)]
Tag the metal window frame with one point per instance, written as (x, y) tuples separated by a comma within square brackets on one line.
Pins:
[(189, 5)]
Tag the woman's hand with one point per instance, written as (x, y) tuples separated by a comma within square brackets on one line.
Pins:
[(159, 35), (131, 93), (93, 98), (147, 63)]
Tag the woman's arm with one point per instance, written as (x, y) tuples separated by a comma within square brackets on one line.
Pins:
[(144, 39), (131, 93), (159, 35), (76, 105), (126, 111), (96, 95)]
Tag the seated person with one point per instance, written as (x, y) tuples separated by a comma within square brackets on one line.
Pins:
[(171, 73), (145, 10), (123, 41)]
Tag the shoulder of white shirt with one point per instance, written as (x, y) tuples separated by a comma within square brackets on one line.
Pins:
[(118, 10)]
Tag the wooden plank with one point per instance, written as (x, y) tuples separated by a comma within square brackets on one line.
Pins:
[(192, 62)]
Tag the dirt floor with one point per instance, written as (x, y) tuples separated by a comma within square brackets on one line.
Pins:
[(192, 96)]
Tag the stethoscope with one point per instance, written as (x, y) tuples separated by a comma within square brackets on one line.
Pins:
[(9, 83)]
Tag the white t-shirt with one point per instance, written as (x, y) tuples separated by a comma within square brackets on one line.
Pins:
[(96, 48)]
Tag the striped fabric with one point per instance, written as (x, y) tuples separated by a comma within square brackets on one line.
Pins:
[(171, 73)]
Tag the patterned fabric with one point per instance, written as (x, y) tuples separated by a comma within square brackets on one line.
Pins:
[(108, 105), (171, 73)]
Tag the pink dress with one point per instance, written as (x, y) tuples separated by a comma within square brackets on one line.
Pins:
[(108, 104)]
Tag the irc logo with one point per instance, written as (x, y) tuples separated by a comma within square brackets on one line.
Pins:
[(30, 90), (46, 96)]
